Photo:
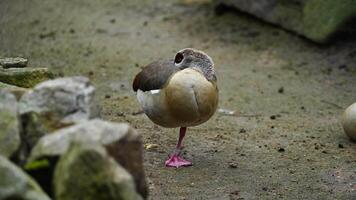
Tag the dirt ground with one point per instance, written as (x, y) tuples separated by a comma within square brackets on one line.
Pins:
[(284, 141)]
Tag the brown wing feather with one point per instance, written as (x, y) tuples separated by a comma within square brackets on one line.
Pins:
[(154, 76)]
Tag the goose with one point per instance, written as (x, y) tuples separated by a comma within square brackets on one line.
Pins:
[(180, 92)]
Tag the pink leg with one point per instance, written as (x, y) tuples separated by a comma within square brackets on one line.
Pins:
[(175, 160)]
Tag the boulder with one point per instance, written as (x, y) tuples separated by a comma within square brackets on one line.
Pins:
[(13, 62), (121, 141), (317, 20), (55, 104), (24, 77), (87, 172), (16, 184), (9, 124)]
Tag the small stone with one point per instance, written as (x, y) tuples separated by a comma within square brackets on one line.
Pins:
[(9, 124), (344, 68), (232, 165), (86, 171), (16, 184), (112, 20), (13, 62), (24, 77), (273, 117)]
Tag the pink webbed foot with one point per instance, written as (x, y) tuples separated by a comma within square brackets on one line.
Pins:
[(176, 161)]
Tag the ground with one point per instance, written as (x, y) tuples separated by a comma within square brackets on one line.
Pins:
[(284, 141)]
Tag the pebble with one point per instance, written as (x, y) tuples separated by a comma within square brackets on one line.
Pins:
[(232, 165)]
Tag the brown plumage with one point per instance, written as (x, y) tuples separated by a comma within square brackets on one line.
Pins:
[(154, 76)]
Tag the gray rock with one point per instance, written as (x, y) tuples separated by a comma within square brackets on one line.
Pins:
[(13, 62), (87, 172), (317, 20), (9, 124), (55, 104), (24, 77), (15, 184), (122, 142)]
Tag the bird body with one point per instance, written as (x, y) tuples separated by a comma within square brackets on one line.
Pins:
[(178, 93), (188, 99)]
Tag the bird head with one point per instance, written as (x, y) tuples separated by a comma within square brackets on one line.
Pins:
[(197, 60)]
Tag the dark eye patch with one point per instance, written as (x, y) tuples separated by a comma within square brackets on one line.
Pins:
[(178, 59)]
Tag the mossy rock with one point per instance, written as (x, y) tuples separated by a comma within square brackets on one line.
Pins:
[(24, 77), (87, 172), (317, 20), (323, 18), (121, 142)]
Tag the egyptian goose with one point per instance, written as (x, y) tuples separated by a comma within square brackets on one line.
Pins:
[(179, 92)]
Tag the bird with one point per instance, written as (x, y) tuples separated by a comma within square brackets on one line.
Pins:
[(178, 92)]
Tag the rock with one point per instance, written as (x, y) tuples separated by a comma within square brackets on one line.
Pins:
[(55, 104), (13, 62), (87, 172), (17, 91), (16, 184), (24, 77), (121, 141), (9, 124), (317, 20)]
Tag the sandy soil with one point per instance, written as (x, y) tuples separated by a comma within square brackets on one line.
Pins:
[(284, 141)]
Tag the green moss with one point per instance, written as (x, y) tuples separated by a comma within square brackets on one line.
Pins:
[(322, 18), (37, 164)]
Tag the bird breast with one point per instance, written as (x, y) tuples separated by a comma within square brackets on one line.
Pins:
[(188, 99)]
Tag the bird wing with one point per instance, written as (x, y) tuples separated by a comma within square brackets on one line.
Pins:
[(154, 76)]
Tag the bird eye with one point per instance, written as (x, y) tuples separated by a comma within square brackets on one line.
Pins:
[(178, 59)]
